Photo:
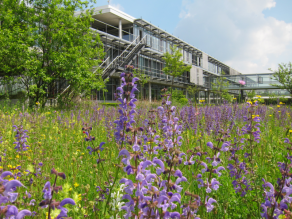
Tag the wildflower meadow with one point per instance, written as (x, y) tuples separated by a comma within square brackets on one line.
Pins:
[(138, 160)]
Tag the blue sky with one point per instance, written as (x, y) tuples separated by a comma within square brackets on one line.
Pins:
[(248, 35)]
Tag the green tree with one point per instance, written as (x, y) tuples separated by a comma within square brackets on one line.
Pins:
[(174, 66), (46, 40), (192, 91), (283, 76), (143, 79), (220, 87)]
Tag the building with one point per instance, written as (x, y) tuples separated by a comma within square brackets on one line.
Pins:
[(128, 40)]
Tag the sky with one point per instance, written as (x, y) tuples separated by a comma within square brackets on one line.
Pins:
[(250, 36)]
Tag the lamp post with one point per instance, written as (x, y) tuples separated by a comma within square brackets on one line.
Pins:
[(206, 95)]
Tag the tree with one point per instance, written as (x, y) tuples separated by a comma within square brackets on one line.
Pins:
[(143, 79), (43, 41), (284, 76), (192, 91), (220, 87), (174, 66)]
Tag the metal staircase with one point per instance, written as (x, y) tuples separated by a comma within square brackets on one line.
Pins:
[(125, 58)]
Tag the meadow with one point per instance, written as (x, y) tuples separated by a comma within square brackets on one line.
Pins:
[(139, 160)]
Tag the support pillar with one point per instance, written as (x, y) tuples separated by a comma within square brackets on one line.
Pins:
[(120, 29), (208, 97), (149, 92), (186, 93), (241, 95)]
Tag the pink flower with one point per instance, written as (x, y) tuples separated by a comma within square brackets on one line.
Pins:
[(241, 82)]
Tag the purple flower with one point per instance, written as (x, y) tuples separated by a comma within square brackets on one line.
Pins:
[(209, 203), (210, 144), (12, 211), (161, 164), (217, 171)]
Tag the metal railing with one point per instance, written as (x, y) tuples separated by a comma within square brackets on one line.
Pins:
[(138, 47), (124, 57), (112, 30)]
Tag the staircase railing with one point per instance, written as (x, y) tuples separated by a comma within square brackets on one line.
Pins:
[(139, 45), (119, 58), (125, 56), (101, 65)]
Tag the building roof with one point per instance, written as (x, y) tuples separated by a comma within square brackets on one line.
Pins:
[(111, 15)]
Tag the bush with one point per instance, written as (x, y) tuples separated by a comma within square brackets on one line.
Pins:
[(183, 101), (110, 104)]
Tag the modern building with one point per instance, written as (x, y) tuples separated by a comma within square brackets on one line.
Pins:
[(128, 40)]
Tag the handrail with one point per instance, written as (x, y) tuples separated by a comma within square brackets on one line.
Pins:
[(100, 65), (129, 46), (138, 44), (62, 92), (104, 61), (120, 54)]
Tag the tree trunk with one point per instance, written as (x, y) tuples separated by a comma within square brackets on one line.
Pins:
[(171, 88)]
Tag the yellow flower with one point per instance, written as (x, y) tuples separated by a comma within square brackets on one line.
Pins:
[(279, 111), (17, 156), (270, 115), (278, 105), (282, 216), (290, 131), (37, 103), (76, 184)]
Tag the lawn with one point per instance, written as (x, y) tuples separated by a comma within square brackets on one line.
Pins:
[(228, 161)]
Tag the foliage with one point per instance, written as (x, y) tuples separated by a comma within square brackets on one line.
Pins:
[(110, 104), (56, 139), (284, 76), (178, 96), (183, 101), (143, 79), (220, 87), (251, 94), (174, 65), (52, 43), (283, 99), (192, 91), (230, 161)]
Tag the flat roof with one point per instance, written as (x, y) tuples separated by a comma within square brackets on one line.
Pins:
[(110, 15)]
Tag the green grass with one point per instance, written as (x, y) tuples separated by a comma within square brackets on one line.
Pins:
[(56, 139)]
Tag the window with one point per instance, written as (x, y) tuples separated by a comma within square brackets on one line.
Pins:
[(260, 80)]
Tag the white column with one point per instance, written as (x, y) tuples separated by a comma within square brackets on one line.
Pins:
[(120, 29), (149, 92)]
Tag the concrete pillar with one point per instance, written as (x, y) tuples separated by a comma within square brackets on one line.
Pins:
[(186, 93), (208, 97), (120, 29), (149, 92)]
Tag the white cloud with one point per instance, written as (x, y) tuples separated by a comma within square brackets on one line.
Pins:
[(237, 33), (118, 6)]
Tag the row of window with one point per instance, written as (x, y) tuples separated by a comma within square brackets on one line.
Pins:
[(160, 44)]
